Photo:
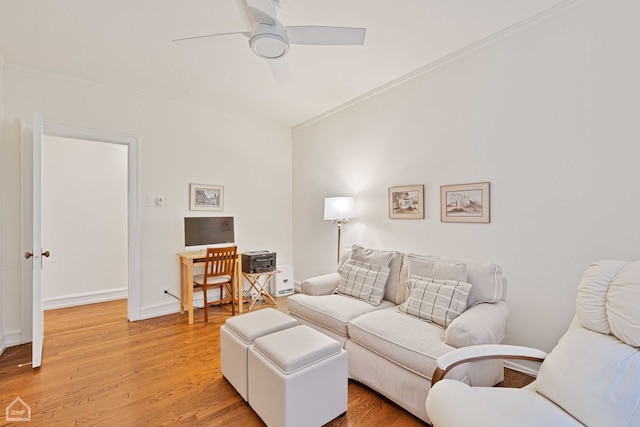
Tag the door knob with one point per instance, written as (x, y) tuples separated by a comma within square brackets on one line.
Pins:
[(28, 255)]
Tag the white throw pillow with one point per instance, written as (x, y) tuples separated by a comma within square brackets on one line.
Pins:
[(486, 277), (392, 291), (436, 301), (373, 256), (363, 280)]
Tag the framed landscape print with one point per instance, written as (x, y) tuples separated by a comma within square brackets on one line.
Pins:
[(465, 203), (205, 197), (406, 202)]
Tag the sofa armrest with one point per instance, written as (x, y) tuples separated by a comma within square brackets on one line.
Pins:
[(450, 360), (484, 323), (320, 285)]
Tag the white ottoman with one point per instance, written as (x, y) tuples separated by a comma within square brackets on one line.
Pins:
[(297, 377), (238, 334)]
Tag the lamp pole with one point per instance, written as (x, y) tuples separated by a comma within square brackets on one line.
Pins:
[(339, 210), (340, 223)]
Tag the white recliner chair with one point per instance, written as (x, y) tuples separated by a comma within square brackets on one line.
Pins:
[(591, 378)]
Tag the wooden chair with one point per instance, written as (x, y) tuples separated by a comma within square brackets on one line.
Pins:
[(219, 270)]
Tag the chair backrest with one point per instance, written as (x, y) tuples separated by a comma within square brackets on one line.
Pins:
[(594, 371), (220, 261)]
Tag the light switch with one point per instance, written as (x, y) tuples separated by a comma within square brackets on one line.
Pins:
[(151, 201)]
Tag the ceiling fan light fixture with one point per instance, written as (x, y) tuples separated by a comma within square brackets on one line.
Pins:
[(270, 46)]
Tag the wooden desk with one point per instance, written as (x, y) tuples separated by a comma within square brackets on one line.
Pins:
[(189, 260)]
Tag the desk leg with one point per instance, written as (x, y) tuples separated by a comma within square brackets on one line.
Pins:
[(238, 277), (189, 288), (183, 278)]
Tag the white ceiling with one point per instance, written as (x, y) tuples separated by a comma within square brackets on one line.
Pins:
[(127, 43)]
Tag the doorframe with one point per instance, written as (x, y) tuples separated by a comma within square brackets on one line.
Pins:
[(131, 141)]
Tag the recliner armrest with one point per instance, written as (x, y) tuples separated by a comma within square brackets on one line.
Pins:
[(474, 353), (320, 285), (468, 408)]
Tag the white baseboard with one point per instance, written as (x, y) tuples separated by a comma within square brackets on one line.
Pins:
[(157, 310), (532, 372), (11, 339), (73, 300), (169, 307)]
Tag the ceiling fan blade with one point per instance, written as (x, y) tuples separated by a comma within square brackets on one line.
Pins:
[(280, 71), (244, 33), (262, 11), (317, 35)]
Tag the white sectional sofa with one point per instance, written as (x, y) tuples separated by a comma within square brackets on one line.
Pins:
[(392, 347)]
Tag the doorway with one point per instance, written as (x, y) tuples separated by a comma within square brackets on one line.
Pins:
[(133, 226), (84, 221)]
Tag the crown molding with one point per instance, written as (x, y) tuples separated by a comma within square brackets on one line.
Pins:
[(493, 38)]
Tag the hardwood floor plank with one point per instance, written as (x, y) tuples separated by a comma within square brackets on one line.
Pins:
[(101, 370)]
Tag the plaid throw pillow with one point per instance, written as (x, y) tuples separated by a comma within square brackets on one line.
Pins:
[(363, 280), (437, 301)]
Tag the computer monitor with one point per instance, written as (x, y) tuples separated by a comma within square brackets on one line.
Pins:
[(207, 232)]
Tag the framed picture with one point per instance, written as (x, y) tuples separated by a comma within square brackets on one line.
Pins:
[(205, 197), (465, 202), (406, 202)]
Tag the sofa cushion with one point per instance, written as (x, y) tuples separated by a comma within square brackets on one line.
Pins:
[(363, 280), (405, 340), (437, 269), (333, 312), (486, 277), (394, 291), (373, 256), (436, 301), (417, 265)]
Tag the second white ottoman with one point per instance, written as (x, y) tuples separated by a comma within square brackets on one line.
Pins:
[(297, 377), (238, 334)]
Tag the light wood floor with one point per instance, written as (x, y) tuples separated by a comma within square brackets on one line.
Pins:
[(101, 370)]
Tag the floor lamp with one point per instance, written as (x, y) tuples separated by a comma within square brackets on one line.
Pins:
[(339, 210)]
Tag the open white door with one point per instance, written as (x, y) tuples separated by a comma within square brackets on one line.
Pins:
[(32, 138), (36, 253)]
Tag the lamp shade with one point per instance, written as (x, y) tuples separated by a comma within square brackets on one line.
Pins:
[(337, 208)]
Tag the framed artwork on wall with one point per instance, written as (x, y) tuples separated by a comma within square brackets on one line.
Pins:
[(205, 197), (465, 203), (406, 202)]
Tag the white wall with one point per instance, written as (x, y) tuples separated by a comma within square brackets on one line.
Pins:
[(548, 114), (2, 334), (179, 144), (84, 217)]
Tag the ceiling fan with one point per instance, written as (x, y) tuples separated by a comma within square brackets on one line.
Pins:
[(270, 39)]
